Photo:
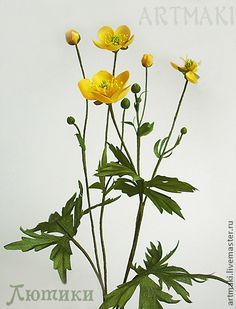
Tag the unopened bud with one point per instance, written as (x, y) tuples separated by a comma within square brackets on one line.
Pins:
[(147, 60), (72, 37), (70, 120), (135, 88), (125, 103), (184, 130)]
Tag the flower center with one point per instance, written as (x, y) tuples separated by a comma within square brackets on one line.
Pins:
[(190, 65), (104, 84), (115, 40)]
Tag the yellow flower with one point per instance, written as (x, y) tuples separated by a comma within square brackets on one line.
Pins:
[(105, 87), (72, 37), (147, 60), (114, 40), (189, 69)]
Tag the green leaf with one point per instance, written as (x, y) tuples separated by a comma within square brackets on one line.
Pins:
[(169, 275), (170, 184), (36, 242), (127, 186), (81, 141), (116, 169), (145, 129), (96, 185), (121, 157), (104, 158), (163, 202), (119, 297), (130, 124), (156, 149), (78, 212), (149, 298), (159, 146), (60, 256), (106, 202), (65, 224), (151, 295)]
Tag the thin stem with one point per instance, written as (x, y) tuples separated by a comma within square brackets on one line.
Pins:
[(146, 90), (85, 254), (114, 64), (139, 217), (89, 204), (137, 134), (90, 262), (171, 129), (80, 60), (83, 74), (84, 161), (123, 128), (102, 214), (118, 132), (104, 195)]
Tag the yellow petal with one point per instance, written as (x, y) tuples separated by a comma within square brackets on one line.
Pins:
[(175, 66), (129, 41), (122, 78), (120, 95), (101, 76), (192, 77), (105, 33), (86, 89), (99, 45), (123, 31), (102, 98)]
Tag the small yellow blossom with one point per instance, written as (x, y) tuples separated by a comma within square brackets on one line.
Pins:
[(114, 40), (189, 69), (72, 37), (147, 60), (105, 87)]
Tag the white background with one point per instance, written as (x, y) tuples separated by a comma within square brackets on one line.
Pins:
[(40, 158)]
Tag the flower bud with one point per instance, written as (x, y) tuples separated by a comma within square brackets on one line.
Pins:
[(135, 88), (125, 103), (70, 120), (184, 131), (147, 60), (72, 37)]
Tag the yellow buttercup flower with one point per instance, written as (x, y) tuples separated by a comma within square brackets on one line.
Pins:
[(114, 40), (189, 69), (105, 87), (72, 37), (147, 60)]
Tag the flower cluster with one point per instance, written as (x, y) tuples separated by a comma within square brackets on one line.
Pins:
[(107, 88)]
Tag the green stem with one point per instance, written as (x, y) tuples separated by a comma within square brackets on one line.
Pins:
[(104, 195), (80, 61), (114, 64), (90, 262), (123, 128), (139, 217), (171, 129), (119, 134), (137, 134), (102, 215), (85, 254), (84, 161), (146, 90)]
